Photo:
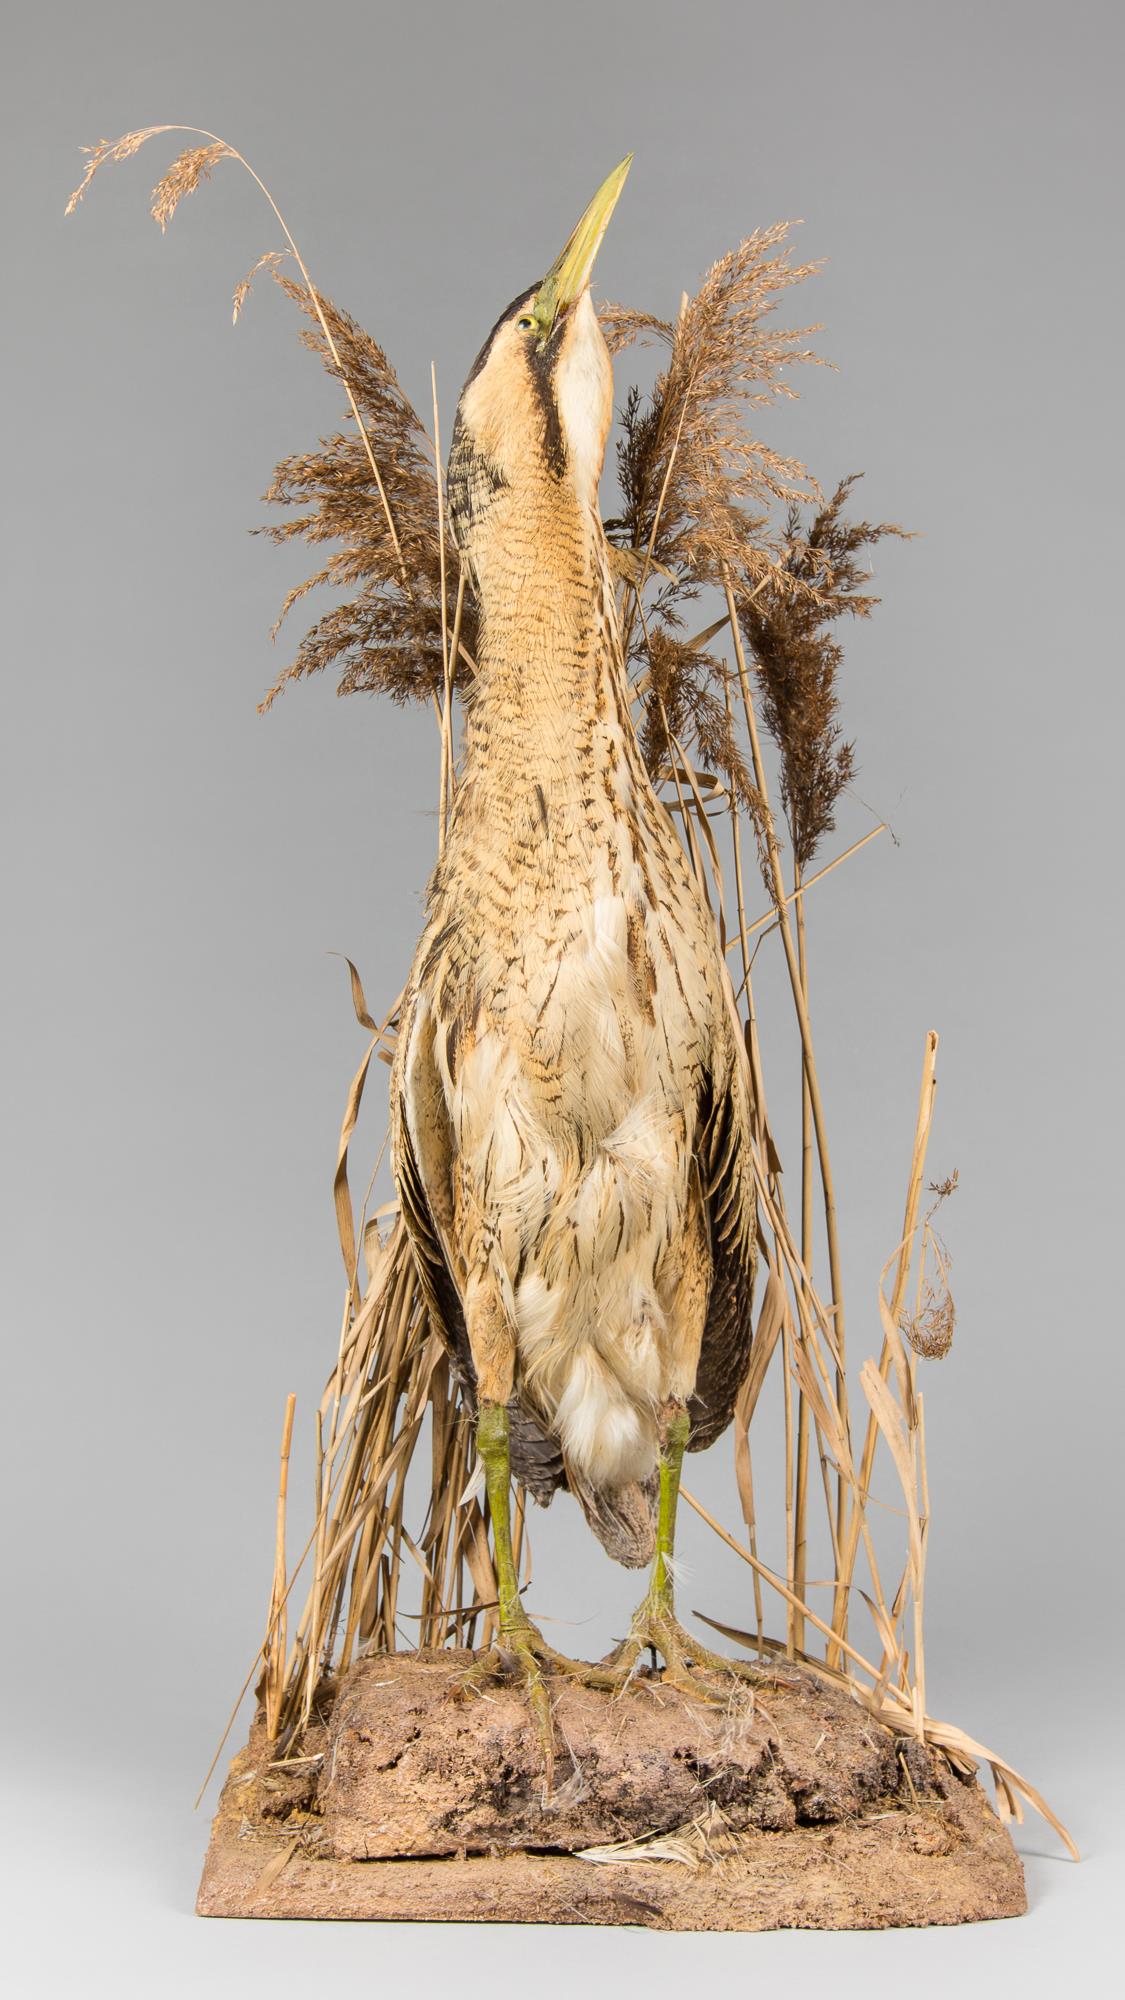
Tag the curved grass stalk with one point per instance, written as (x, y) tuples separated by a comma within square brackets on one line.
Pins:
[(166, 197)]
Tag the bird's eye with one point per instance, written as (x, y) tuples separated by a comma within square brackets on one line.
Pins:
[(526, 323)]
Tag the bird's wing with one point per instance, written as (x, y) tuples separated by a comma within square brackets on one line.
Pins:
[(726, 1184), (422, 1156)]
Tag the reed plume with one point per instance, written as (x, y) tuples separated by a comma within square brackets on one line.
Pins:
[(786, 620), (386, 638)]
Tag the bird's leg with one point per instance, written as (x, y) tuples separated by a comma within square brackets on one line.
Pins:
[(518, 1637), (655, 1623), (492, 1450), (673, 1443)]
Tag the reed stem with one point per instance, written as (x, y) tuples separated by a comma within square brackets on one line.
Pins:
[(276, 1628), (815, 1101), (800, 1534)]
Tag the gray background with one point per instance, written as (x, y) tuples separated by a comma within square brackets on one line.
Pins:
[(178, 1040)]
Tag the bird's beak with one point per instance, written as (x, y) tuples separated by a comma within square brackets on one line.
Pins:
[(570, 273)]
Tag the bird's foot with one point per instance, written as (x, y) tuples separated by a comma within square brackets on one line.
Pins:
[(519, 1649), (688, 1665)]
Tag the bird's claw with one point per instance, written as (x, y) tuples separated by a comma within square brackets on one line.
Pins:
[(688, 1665), (521, 1648)]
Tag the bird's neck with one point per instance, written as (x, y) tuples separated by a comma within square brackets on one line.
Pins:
[(551, 683)]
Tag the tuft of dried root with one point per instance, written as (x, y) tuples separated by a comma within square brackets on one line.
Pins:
[(929, 1325)]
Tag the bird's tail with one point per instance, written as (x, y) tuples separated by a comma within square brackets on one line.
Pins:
[(622, 1517)]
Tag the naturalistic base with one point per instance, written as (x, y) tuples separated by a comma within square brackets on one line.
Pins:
[(781, 1804)]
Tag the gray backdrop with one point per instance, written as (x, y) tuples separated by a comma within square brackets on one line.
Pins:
[(179, 1040)]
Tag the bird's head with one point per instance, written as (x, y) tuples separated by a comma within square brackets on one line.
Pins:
[(535, 413)]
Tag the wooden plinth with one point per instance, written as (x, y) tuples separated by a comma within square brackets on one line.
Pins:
[(785, 1805)]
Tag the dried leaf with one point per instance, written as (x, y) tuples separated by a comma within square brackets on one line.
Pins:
[(274, 1867)]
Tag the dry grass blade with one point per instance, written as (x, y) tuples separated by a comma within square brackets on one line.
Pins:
[(275, 1867), (776, 886), (390, 1380), (769, 1576), (903, 1438), (892, 1309), (704, 1840), (962, 1750), (797, 896), (274, 1647)]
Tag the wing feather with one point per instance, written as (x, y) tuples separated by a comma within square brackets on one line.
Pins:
[(422, 1152), (726, 1183)]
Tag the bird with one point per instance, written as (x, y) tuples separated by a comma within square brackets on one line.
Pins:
[(571, 1105)]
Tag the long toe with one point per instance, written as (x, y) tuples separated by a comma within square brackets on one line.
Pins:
[(520, 1653), (688, 1664)]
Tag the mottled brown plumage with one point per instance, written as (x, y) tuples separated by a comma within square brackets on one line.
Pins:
[(570, 1100)]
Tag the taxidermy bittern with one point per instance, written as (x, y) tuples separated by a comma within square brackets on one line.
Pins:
[(570, 1104)]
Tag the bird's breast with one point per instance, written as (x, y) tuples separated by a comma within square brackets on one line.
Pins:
[(584, 945)]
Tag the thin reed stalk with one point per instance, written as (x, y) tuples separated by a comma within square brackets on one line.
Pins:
[(275, 1645), (812, 1080), (926, 1093), (801, 1495)]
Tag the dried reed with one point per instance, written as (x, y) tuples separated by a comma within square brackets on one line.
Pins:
[(698, 498)]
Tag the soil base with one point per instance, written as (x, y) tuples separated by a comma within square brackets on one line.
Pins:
[(783, 1805)]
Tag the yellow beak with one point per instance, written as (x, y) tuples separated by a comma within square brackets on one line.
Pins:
[(570, 273)]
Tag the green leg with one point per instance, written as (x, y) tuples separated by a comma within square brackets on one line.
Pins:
[(492, 1450), (687, 1664), (519, 1638), (673, 1444)]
